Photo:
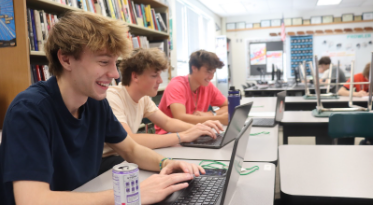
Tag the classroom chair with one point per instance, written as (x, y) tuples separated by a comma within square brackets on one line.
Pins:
[(350, 125)]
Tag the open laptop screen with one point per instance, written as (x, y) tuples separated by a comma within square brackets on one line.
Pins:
[(237, 122), (237, 159)]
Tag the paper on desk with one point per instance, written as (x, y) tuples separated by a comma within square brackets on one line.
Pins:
[(261, 114)]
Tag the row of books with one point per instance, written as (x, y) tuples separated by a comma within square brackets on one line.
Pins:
[(39, 23), (143, 42), (39, 73), (125, 10)]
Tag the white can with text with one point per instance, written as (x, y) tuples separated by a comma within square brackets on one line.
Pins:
[(126, 184)]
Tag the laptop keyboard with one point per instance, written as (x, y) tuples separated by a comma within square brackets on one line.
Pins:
[(207, 140), (203, 190), (263, 121)]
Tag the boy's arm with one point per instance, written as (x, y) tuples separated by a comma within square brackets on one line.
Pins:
[(36, 192)]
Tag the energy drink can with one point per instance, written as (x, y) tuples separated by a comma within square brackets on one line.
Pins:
[(126, 184)]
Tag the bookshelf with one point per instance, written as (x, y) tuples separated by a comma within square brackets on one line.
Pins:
[(15, 61)]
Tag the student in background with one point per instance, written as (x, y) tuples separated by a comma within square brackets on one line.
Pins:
[(54, 131), (188, 98), (324, 68), (360, 90), (131, 102)]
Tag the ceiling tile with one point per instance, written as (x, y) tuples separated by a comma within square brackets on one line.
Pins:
[(350, 3), (367, 3)]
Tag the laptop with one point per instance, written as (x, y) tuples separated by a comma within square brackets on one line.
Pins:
[(280, 108), (215, 189), (235, 125)]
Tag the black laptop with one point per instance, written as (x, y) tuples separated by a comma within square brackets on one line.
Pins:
[(280, 108), (215, 189), (235, 125)]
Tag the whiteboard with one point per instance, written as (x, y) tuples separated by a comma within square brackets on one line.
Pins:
[(359, 44), (345, 47)]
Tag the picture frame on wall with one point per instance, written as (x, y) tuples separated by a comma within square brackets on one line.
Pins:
[(315, 19), (240, 25), (306, 21), (288, 22), (337, 19), (327, 19), (249, 25), (276, 22), (231, 26), (358, 18), (347, 17), (256, 25), (265, 23), (368, 16), (297, 21)]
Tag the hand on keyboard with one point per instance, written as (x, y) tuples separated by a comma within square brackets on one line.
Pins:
[(196, 131)]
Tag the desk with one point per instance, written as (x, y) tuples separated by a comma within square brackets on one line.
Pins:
[(303, 123), (312, 174), (295, 103), (261, 104), (261, 148), (272, 91), (256, 188)]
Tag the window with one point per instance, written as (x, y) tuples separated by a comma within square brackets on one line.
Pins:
[(194, 31)]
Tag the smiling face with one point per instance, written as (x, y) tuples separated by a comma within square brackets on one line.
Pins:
[(203, 76), (92, 73), (148, 82)]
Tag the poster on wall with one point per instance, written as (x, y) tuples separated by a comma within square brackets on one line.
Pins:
[(274, 57), (344, 58), (258, 54), (7, 25)]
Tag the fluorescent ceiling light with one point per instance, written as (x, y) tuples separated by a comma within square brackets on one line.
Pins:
[(328, 2)]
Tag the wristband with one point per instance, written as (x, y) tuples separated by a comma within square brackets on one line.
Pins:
[(160, 163), (178, 136)]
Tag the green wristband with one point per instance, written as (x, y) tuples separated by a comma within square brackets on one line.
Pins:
[(160, 163)]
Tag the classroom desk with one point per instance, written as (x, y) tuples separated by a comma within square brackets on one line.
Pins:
[(261, 148), (292, 90), (303, 123), (295, 103), (326, 174), (261, 104), (255, 188)]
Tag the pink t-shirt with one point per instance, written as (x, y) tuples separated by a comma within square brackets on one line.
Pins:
[(178, 91)]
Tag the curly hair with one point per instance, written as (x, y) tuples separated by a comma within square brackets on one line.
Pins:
[(204, 58), (140, 60), (78, 30)]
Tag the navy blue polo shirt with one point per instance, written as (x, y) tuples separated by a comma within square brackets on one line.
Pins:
[(42, 141)]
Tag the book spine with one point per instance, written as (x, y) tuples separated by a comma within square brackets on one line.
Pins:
[(38, 73), (133, 12), (108, 13), (30, 31), (34, 29), (143, 15), (154, 20), (112, 14), (128, 12)]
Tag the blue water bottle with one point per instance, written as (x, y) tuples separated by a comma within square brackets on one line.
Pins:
[(233, 100)]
